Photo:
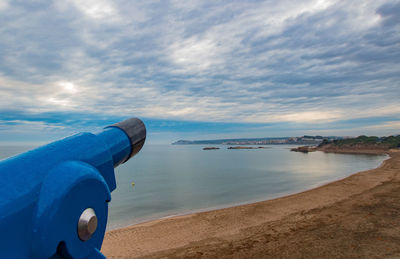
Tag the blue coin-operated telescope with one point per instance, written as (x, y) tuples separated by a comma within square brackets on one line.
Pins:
[(54, 199)]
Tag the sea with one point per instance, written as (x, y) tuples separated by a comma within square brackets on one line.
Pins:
[(166, 180)]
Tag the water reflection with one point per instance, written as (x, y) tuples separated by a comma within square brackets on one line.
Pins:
[(178, 179)]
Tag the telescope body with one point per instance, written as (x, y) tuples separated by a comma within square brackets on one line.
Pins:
[(54, 199)]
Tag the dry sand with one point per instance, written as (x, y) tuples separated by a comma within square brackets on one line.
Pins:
[(357, 217)]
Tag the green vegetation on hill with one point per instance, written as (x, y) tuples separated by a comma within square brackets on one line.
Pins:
[(384, 142)]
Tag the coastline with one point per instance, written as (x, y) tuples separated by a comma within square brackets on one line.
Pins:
[(248, 202), (229, 231)]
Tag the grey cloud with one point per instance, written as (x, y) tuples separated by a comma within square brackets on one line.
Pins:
[(220, 61), (390, 12)]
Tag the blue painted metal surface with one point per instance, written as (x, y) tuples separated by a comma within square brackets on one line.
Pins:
[(44, 191)]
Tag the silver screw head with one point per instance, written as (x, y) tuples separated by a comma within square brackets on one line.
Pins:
[(87, 224)]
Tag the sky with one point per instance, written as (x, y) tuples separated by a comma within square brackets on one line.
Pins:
[(199, 69)]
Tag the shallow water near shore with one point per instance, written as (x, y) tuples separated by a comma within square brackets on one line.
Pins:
[(180, 179)]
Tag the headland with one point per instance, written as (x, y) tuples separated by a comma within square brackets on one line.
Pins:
[(359, 145)]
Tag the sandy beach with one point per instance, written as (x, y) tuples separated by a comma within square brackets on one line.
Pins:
[(357, 217)]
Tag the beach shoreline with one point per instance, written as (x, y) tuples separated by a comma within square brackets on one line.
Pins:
[(235, 204), (228, 232)]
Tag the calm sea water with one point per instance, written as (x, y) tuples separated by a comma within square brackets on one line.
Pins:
[(171, 180)]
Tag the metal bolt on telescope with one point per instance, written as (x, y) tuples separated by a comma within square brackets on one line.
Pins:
[(54, 199)]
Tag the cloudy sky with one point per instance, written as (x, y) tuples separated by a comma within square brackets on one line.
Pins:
[(199, 69)]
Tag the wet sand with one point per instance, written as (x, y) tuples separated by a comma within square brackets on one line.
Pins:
[(357, 217)]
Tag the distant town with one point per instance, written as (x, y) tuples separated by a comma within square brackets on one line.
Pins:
[(304, 140)]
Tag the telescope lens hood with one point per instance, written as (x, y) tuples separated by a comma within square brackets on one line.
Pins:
[(135, 129)]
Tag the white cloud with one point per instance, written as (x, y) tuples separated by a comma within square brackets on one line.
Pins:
[(196, 54), (3, 5), (293, 61), (68, 87), (311, 116), (394, 125), (97, 9)]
